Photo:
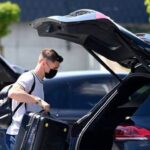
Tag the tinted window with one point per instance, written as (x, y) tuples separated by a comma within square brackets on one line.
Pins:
[(138, 97), (143, 95), (85, 93), (76, 92)]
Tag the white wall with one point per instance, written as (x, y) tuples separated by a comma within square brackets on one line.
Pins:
[(23, 45)]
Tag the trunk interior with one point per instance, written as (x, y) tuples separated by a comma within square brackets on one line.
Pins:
[(99, 131)]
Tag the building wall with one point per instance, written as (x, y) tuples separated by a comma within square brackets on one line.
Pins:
[(23, 45)]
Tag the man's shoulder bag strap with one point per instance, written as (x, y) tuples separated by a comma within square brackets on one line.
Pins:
[(32, 88)]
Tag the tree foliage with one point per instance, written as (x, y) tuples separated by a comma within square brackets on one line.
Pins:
[(147, 3), (9, 13)]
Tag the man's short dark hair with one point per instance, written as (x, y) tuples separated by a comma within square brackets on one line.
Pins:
[(52, 55)]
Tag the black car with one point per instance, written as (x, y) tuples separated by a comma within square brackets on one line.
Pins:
[(100, 35), (72, 94)]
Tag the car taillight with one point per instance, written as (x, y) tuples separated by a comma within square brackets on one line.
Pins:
[(131, 133)]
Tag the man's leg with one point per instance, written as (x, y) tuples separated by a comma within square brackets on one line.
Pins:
[(10, 141)]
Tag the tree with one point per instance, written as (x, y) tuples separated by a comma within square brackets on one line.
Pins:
[(9, 13), (147, 3)]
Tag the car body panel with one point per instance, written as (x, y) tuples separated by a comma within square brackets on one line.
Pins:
[(132, 145), (7, 73)]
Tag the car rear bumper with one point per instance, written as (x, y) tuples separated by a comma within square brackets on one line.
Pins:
[(132, 145)]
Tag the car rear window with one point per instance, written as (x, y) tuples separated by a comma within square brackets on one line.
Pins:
[(86, 93), (143, 95)]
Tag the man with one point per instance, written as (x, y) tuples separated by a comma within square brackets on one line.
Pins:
[(48, 64)]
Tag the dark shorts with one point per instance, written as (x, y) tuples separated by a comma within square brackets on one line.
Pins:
[(10, 141)]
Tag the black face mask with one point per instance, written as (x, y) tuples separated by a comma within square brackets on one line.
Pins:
[(52, 73)]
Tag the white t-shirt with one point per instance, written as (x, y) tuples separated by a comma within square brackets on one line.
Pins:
[(26, 81)]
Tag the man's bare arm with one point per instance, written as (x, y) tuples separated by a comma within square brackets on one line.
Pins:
[(18, 93)]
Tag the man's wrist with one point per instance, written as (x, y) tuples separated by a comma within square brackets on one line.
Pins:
[(38, 101)]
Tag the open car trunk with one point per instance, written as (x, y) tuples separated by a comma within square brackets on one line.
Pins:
[(116, 108)]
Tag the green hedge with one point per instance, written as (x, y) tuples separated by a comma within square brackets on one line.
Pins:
[(9, 13)]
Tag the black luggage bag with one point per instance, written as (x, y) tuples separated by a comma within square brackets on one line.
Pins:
[(41, 132)]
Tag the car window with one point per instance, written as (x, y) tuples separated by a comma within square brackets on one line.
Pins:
[(86, 93), (77, 93), (139, 99), (56, 93), (143, 95)]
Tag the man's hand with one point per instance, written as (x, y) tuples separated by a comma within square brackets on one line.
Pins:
[(43, 104)]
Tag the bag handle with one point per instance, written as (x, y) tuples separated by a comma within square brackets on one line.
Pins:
[(43, 112)]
